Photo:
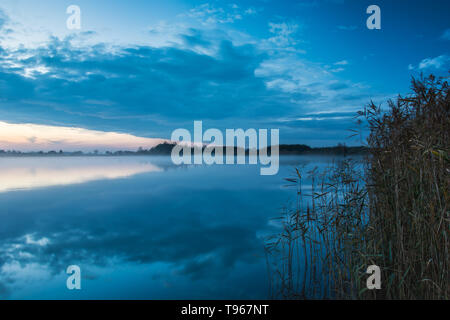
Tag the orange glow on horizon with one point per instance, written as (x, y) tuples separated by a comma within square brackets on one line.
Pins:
[(27, 173), (33, 137)]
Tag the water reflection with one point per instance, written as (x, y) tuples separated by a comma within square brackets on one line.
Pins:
[(189, 232), (29, 173)]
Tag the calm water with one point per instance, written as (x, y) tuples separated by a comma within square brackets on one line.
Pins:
[(139, 227)]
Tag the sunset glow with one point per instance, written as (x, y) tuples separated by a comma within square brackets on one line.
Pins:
[(25, 173), (32, 137)]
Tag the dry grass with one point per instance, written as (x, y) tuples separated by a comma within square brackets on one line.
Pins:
[(409, 188), (319, 243), (393, 213)]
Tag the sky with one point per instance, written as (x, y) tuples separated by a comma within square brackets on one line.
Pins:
[(138, 70)]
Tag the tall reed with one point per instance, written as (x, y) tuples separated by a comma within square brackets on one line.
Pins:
[(390, 210), (409, 189)]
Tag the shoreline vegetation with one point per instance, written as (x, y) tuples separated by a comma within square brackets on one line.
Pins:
[(166, 149), (391, 210)]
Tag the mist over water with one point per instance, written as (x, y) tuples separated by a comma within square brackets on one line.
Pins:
[(139, 227)]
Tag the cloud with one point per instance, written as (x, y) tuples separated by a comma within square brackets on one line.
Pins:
[(436, 63), (226, 78), (339, 66), (31, 137), (327, 116), (209, 14), (135, 81), (284, 33), (151, 91), (341, 63), (105, 233), (336, 70), (195, 38), (311, 86)]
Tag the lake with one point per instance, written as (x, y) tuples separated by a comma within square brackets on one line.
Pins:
[(139, 227)]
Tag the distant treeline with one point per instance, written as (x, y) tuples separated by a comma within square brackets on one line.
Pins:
[(166, 149)]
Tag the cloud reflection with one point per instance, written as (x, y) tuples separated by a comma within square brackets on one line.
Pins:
[(190, 232), (27, 173)]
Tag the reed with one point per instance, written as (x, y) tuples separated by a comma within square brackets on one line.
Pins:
[(391, 210)]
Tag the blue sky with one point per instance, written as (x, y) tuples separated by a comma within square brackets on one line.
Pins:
[(148, 67)]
